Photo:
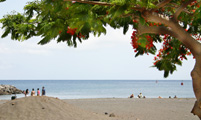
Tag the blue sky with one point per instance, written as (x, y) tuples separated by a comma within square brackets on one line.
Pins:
[(109, 57)]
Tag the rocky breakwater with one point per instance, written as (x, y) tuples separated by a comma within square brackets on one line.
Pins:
[(9, 89)]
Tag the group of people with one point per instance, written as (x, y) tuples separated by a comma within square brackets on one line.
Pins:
[(139, 96), (26, 92), (169, 96)]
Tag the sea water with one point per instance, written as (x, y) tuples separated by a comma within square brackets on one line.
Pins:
[(79, 89)]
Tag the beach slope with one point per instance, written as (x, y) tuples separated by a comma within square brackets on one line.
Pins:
[(44, 108)]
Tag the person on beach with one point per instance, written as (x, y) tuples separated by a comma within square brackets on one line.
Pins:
[(26, 92), (140, 95), (33, 92), (38, 92), (43, 91), (132, 96)]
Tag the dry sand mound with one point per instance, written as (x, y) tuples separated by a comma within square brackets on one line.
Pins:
[(44, 108)]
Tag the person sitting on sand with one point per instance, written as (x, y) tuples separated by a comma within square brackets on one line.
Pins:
[(43, 91), (159, 97), (32, 92), (38, 92), (175, 96), (132, 96), (26, 92), (140, 95)]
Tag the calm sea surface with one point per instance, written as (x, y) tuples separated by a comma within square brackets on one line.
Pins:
[(76, 89)]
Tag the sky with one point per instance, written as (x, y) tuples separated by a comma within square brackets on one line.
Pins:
[(108, 57)]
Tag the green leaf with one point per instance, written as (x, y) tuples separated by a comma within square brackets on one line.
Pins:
[(2, 0), (166, 73), (125, 29), (142, 41), (142, 21), (7, 31), (44, 41)]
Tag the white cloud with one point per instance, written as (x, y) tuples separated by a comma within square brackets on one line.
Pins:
[(8, 46), (111, 39), (5, 65)]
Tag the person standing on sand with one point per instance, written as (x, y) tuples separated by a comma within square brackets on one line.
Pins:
[(43, 91), (38, 92), (33, 92)]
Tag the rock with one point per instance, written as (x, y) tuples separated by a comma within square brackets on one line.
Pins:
[(9, 89), (112, 115), (106, 113)]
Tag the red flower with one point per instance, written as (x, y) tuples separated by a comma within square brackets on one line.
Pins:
[(71, 31)]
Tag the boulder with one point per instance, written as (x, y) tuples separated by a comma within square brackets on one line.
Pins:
[(9, 89)]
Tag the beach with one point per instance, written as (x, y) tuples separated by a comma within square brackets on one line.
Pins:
[(101, 108), (140, 109)]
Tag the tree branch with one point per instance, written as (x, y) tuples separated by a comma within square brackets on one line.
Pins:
[(175, 7), (163, 3), (181, 8), (155, 30), (155, 17), (91, 2), (138, 8)]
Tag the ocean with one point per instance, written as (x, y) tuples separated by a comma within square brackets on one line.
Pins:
[(81, 89)]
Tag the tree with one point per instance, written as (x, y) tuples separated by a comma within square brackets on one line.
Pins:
[(175, 23)]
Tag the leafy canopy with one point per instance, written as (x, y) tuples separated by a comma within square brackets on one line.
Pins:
[(2, 0), (74, 21)]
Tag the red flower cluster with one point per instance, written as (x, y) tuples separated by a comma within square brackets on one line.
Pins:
[(197, 37), (166, 46), (135, 44), (134, 40), (71, 31), (155, 24), (80, 35), (135, 21), (182, 56), (194, 3), (149, 43), (60, 32)]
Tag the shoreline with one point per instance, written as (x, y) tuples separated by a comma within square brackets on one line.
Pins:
[(7, 97)]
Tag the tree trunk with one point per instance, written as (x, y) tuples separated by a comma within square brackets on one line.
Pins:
[(196, 76), (195, 48)]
